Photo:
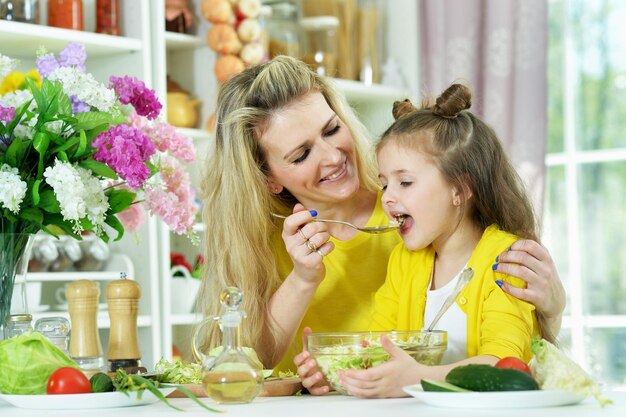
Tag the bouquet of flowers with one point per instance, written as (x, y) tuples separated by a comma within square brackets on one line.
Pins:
[(77, 156)]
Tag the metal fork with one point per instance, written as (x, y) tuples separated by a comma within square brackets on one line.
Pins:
[(374, 229)]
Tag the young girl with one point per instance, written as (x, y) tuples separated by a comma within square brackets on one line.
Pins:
[(445, 173)]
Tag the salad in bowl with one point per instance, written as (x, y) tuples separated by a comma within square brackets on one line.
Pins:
[(362, 350)]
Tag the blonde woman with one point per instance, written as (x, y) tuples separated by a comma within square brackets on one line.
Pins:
[(286, 142)]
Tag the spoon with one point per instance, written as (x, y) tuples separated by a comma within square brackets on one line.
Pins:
[(373, 229)]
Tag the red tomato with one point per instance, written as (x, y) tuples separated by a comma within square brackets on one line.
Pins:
[(68, 381), (513, 363)]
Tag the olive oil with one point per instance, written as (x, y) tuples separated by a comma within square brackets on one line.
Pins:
[(232, 387)]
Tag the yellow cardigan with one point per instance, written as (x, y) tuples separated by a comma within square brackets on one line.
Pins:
[(497, 324)]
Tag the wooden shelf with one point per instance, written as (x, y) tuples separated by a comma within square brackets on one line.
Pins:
[(22, 40), (118, 263)]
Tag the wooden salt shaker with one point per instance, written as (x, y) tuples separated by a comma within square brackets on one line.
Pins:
[(85, 347), (123, 298)]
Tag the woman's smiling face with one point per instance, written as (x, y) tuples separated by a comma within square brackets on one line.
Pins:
[(310, 152), (414, 188)]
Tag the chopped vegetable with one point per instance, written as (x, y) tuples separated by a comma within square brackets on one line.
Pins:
[(554, 370), (27, 361), (178, 372)]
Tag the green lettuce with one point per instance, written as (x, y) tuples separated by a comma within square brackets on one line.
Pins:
[(26, 362), (554, 370)]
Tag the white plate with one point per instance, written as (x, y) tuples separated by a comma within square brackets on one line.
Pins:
[(83, 401), (500, 399)]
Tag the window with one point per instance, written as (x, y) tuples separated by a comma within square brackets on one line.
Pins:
[(585, 207)]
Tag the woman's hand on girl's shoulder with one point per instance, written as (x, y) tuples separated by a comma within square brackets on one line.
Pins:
[(531, 262)]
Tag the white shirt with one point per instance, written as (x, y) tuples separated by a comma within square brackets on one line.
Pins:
[(454, 321)]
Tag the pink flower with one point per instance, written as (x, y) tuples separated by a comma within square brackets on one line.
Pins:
[(132, 91), (133, 217), (174, 212), (165, 137), (125, 149)]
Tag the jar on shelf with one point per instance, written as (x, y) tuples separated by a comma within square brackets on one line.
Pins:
[(281, 23), (17, 324), (108, 17), (66, 14), (320, 47), (26, 11)]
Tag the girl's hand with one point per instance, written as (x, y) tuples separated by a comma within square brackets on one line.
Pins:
[(307, 244), (311, 376), (385, 380), (528, 260)]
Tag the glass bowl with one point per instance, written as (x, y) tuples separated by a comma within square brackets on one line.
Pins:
[(361, 350)]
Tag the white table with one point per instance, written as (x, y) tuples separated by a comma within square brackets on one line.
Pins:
[(331, 405)]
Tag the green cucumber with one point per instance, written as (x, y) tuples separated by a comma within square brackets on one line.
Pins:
[(490, 378), (440, 386), (101, 382)]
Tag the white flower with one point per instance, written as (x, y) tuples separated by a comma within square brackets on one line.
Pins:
[(12, 188), (16, 99), (79, 194), (84, 87), (6, 65)]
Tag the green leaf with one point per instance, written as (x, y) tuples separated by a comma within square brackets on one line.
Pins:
[(99, 168), (120, 200), (65, 104), (63, 156), (115, 223), (35, 192), (11, 156), (66, 145), (82, 145), (57, 220), (91, 120), (49, 202), (37, 95), (32, 214), (41, 142)]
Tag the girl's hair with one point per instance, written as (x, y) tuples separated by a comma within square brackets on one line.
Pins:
[(469, 154), (241, 233)]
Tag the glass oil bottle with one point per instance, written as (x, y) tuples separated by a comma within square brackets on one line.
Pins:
[(233, 377)]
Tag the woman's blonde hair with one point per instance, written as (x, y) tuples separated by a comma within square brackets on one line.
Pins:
[(236, 199), (469, 154)]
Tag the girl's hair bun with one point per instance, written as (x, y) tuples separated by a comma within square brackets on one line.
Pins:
[(453, 101), (402, 108)]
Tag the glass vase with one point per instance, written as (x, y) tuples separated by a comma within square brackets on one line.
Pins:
[(14, 256)]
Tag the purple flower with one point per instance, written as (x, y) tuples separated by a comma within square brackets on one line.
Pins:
[(73, 55), (46, 65), (132, 91), (79, 106), (7, 114), (125, 149)]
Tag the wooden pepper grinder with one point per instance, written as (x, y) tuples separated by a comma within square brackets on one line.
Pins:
[(85, 347), (123, 352)]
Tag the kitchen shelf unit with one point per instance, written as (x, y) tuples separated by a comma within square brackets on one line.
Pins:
[(148, 52), (106, 55)]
